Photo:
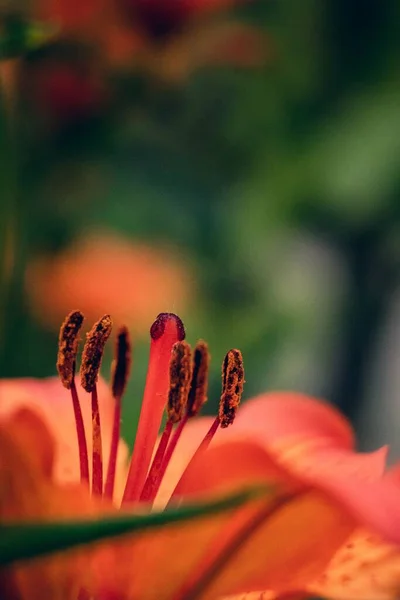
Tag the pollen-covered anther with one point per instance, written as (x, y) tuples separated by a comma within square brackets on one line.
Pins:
[(180, 373), (199, 384), (68, 347), (121, 365), (93, 352), (232, 387)]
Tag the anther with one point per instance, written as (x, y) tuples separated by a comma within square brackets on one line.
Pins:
[(93, 352), (120, 372), (197, 398), (232, 387), (180, 371), (68, 347), (90, 367), (199, 383), (121, 364), (66, 362)]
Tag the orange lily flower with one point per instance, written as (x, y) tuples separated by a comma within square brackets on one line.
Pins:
[(280, 543), (301, 434)]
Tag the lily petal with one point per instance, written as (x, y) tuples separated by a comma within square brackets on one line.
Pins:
[(26, 493), (283, 548), (53, 404), (278, 415), (314, 442), (365, 568)]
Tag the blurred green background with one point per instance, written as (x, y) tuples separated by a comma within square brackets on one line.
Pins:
[(235, 162)]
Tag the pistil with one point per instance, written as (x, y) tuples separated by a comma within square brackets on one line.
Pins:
[(120, 374), (90, 367), (66, 366), (165, 332)]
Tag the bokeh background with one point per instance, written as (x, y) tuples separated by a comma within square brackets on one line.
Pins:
[(235, 162)]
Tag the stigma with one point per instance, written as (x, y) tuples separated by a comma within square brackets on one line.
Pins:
[(176, 390)]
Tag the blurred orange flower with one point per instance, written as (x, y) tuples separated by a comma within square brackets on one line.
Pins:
[(103, 272), (166, 39), (323, 495)]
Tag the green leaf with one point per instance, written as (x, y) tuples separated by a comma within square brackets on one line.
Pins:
[(24, 541), (18, 36)]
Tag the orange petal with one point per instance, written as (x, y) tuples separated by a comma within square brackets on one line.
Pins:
[(163, 560), (365, 568), (277, 415), (169, 560), (375, 503), (280, 554), (229, 466), (287, 548), (282, 546), (192, 434), (313, 441), (236, 464), (26, 493), (52, 402), (267, 595)]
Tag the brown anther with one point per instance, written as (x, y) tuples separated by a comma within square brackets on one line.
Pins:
[(180, 372), (199, 384), (232, 387), (93, 352), (68, 347), (121, 365)]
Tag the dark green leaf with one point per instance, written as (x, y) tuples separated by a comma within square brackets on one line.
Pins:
[(24, 541)]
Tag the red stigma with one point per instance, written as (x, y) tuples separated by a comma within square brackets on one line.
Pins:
[(162, 322)]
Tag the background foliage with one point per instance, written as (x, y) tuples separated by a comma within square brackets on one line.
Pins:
[(255, 146)]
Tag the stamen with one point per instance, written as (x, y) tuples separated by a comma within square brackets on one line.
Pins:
[(122, 363), (90, 367), (199, 384), (180, 371), (120, 372), (232, 388), (165, 332), (93, 352), (233, 380), (66, 364), (197, 399), (68, 342), (154, 477)]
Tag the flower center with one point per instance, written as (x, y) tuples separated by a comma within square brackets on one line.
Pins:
[(175, 381)]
